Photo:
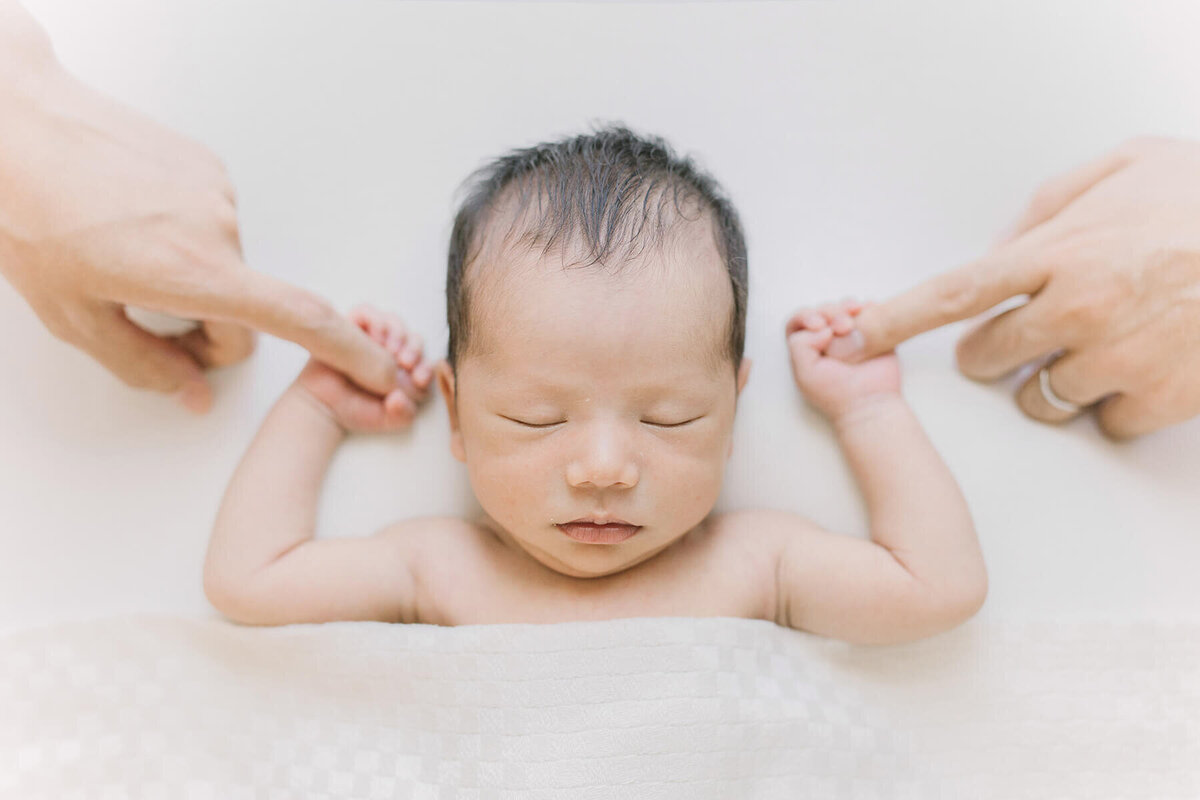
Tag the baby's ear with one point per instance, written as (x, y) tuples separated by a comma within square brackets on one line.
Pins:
[(743, 374), (447, 386)]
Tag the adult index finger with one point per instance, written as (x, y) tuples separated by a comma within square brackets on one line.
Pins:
[(952, 296), (236, 294), (289, 312)]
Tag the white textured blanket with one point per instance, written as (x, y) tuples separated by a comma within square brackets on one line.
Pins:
[(154, 707)]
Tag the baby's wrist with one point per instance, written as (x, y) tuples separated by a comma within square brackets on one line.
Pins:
[(868, 409), (299, 395)]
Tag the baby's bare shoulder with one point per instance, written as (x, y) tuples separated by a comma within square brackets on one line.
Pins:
[(765, 530), (757, 538), (421, 535), (442, 553)]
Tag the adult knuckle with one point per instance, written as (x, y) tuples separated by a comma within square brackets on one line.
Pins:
[(1171, 270), (956, 293), (1123, 367), (1023, 337), (1088, 310), (313, 313), (1076, 318)]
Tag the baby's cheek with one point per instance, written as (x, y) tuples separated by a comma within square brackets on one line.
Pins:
[(509, 484), (687, 486)]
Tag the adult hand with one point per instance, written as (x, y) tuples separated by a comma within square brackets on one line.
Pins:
[(101, 208), (1109, 255)]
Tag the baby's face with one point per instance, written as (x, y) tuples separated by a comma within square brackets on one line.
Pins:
[(592, 396)]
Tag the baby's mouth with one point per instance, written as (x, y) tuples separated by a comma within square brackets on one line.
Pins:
[(594, 533)]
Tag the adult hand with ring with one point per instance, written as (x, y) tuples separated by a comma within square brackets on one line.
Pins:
[(101, 209), (1109, 257)]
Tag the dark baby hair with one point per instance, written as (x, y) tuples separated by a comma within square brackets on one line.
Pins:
[(613, 192)]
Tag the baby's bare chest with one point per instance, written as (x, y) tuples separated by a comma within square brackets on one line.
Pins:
[(483, 582)]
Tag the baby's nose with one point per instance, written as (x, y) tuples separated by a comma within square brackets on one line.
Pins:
[(603, 461)]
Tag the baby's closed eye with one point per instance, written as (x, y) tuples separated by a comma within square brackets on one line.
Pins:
[(656, 423), (669, 424)]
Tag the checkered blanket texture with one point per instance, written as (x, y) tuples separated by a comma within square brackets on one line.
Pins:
[(180, 708)]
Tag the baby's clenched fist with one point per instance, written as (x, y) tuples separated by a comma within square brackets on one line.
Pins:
[(836, 388), (355, 409)]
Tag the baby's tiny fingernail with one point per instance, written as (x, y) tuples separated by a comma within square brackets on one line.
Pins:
[(422, 374)]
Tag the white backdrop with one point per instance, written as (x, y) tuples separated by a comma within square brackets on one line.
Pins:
[(866, 146)]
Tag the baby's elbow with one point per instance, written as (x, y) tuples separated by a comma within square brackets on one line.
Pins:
[(218, 591), (227, 597), (962, 599)]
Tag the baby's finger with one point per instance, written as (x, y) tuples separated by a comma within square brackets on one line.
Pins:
[(844, 346), (842, 323), (405, 383), (422, 374), (804, 318), (829, 311), (370, 320), (396, 332), (806, 346), (361, 315), (395, 342), (399, 410), (411, 353)]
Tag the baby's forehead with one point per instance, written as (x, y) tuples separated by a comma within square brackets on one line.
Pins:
[(683, 257), (647, 312)]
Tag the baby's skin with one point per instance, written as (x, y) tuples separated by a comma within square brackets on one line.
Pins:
[(920, 572)]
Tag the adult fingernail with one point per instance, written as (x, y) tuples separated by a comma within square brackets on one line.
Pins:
[(422, 374)]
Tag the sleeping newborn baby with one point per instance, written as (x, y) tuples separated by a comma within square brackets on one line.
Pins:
[(596, 296)]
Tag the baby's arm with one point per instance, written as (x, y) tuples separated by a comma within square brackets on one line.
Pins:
[(922, 572), (264, 566)]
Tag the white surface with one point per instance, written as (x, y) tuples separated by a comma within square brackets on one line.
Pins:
[(866, 146), (662, 708)]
